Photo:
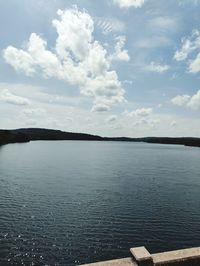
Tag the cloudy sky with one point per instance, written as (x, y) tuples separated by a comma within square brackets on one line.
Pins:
[(109, 67)]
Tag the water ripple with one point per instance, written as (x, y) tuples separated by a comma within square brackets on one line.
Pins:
[(60, 207)]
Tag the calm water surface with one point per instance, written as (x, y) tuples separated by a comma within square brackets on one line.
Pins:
[(67, 203)]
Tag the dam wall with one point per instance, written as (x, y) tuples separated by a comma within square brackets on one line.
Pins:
[(141, 257)]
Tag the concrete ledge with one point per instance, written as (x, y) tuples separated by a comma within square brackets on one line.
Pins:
[(141, 257), (141, 254), (177, 256)]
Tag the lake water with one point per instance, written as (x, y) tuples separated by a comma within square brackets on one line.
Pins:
[(67, 203)]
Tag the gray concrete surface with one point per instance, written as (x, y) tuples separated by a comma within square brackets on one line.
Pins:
[(141, 257)]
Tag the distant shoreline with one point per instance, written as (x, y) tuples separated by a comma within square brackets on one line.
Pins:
[(23, 135)]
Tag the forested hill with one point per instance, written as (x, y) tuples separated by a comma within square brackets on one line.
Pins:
[(31, 134), (28, 134), (12, 136)]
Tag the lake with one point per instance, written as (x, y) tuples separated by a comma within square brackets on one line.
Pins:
[(74, 202)]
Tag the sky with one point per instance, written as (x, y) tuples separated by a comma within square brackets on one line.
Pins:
[(110, 67)]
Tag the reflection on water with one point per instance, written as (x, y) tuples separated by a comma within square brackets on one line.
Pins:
[(66, 203)]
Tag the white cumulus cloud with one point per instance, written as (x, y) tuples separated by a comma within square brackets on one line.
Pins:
[(194, 65), (120, 53), (129, 3), (77, 59), (192, 102), (140, 112), (100, 108), (20, 60), (188, 45), (74, 30), (180, 100)]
